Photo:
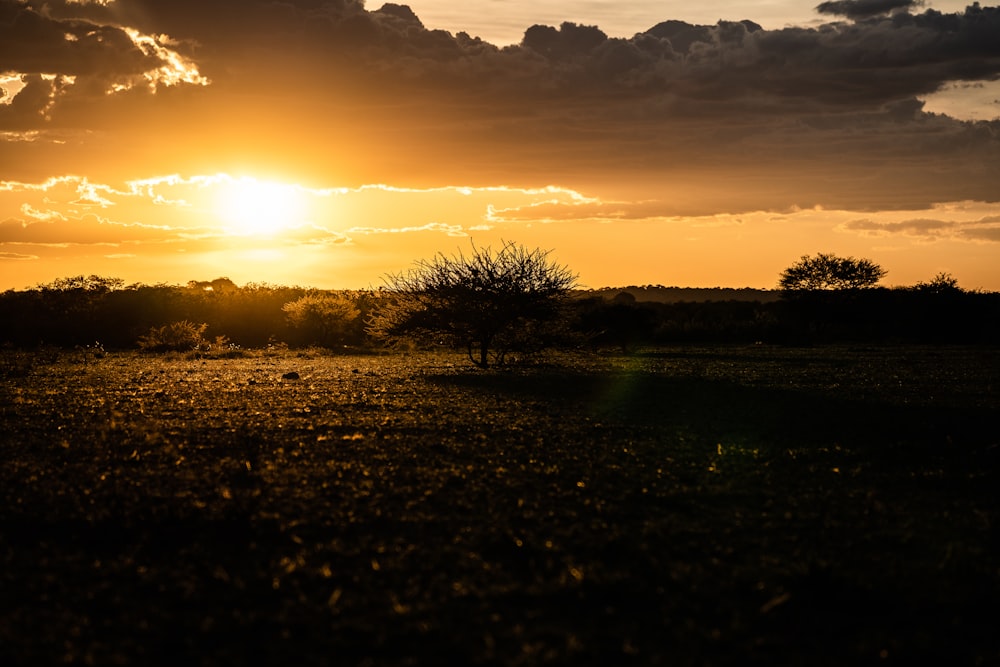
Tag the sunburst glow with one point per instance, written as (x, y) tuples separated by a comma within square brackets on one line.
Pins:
[(253, 207)]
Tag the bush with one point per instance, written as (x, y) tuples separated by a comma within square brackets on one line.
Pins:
[(180, 336), (489, 303), (327, 319)]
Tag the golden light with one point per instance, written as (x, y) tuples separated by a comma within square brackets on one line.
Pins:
[(264, 208)]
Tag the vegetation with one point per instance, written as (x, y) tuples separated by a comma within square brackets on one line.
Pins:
[(829, 272), (486, 305), (489, 303), (181, 336), (326, 319)]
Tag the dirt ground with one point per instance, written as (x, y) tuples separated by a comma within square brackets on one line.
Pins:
[(721, 505)]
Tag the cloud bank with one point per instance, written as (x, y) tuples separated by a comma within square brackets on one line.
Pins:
[(798, 116)]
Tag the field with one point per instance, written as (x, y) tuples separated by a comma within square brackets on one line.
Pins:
[(748, 505)]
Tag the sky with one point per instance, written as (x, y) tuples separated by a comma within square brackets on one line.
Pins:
[(330, 143)]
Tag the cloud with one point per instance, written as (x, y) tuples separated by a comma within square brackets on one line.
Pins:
[(691, 61), (312, 235), (929, 229), (16, 257), (859, 9), (55, 229), (722, 117), (41, 216), (437, 227), (989, 234), (57, 54)]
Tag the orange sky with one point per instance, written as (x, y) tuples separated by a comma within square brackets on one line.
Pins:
[(326, 143)]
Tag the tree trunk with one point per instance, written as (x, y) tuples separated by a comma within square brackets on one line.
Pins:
[(483, 353)]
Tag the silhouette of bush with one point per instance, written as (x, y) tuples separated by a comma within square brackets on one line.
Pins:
[(942, 283), (180, 336), (325, 318), (488, 303)]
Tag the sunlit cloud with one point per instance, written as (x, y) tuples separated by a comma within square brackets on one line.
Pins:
[(11, 84), (313, 235), (16, 257), (438, 227), (56, 229), (42, 216), (175, 70), (25, 137), (91, 196)]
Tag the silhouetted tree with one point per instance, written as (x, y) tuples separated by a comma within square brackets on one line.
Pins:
[(488, 303), (826, 271), (69, 308), (217, 285), (942, 283), (91, 283)]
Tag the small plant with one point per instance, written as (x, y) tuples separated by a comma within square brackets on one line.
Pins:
[(180, 336)]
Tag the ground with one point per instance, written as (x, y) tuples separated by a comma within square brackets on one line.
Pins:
[(726, 505)]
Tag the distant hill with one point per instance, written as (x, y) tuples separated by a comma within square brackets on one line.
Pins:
[(661, 294)]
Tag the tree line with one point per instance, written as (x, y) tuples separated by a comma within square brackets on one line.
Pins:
[(493, 305)]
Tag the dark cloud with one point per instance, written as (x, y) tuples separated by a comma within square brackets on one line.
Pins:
[(983, 229), (916, 227), (864, 63), (860, 9), (320, 82), (991, 234), (569, 41), (33, 42)]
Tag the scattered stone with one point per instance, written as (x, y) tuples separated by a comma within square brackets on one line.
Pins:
[(291, 375)]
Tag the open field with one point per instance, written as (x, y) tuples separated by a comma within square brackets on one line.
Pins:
[(687, 506)]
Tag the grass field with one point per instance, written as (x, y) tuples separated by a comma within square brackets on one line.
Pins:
[(686, 506)]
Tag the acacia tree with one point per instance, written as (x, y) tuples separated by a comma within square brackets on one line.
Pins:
[(826, 271), (487, 302)]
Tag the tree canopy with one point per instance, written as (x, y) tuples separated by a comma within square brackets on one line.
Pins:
[(488, 302), (826, 271)]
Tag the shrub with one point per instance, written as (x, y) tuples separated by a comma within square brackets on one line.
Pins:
[(180, 336), (328, 319), (489, 303)]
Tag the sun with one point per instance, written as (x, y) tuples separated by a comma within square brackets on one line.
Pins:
[(252, 207)]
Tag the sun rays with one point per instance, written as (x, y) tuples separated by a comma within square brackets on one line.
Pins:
[(248, 206)]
